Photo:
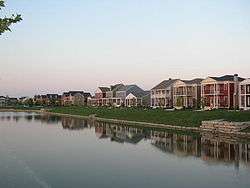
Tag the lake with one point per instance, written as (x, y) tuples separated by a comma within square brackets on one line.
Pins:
[(52, 151)]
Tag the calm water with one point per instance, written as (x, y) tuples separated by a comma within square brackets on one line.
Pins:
[(50, 151)]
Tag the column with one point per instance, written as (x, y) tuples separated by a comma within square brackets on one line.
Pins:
[(245, 96), (214, 95)]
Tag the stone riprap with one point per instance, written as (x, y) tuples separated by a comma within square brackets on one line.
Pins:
[(224, 126)]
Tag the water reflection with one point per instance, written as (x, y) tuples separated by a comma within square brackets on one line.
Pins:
[(120, 134), (74, 123), (211, 148)]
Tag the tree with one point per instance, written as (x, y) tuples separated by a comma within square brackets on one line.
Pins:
[(6, 22)]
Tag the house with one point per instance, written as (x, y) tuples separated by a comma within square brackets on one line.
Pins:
[(111, 96), (187, 93), (117, 94), (220, 92), (100, 94), (87, 98), (131, 95), (53, 100), (40, 99), (72, 98), (78, 98), (105, 96), (11, 101), (137, 98), (2, 101), (48, 99), (244, 94), (162, 94), (22, 100)]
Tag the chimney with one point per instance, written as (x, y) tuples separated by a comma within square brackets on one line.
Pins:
[(170, 78), (236, 91), (236, 79)]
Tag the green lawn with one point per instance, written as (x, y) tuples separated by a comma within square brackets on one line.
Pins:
[(180, 118), (21, 107)]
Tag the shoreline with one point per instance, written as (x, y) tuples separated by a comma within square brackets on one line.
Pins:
[(126, 122)]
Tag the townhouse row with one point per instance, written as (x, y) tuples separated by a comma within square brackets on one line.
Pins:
[(115, 95), (78, 98), (121, 95), (228, 91), (5, 101)]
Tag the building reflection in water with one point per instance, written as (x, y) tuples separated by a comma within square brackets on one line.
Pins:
[(179, 144), (17, 116), (49, 119), (74, 123), (120, 134), (211, 148)]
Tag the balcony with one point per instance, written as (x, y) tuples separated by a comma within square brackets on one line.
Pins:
[(184, 93)]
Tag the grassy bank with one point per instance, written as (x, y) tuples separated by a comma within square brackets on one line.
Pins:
[(179, 118), (21, 107)]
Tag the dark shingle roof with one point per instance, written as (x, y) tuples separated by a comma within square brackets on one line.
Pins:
[(164, 84), (226, 78), (116, 87), (52, 95), (104, 89), (140, 94), (125, 87), (194, 81), (87, 95), (72, 93), (75, 92)]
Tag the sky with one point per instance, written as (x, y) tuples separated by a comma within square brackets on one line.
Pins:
[(66, 45)]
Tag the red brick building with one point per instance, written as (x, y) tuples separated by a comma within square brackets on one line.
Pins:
[(220, 92)]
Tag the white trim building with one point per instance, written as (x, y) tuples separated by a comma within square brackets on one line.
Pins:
[(162, 94), (244, 94), (187, 93)]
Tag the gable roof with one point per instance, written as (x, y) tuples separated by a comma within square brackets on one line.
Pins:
[(104, 89), (194, 81), (140, 94), (246, 81), (226, 78), (134, 89), (164, 84), (125, 87), (116, 87), (73, 93), (21, 98)]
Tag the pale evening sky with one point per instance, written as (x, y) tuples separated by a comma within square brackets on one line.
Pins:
[(78, 45)]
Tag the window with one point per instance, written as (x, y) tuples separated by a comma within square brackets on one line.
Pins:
[(248, 89), (242, 101), (248, 101), (242, 89)]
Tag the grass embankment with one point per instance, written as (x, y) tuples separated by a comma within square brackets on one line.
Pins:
[(179, 118), (21, 107)]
